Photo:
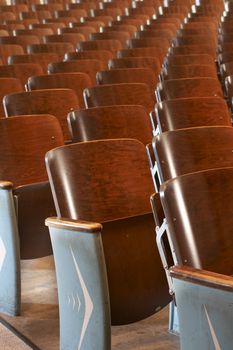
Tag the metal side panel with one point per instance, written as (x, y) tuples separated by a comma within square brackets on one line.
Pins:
[(205, 316), (10, 287), (82, 290)]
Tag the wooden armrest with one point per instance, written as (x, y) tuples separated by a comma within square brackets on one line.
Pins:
[(203, 277), (6, 185), (73, 225)]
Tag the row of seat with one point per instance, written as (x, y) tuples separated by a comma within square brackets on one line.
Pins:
[(108, 182)]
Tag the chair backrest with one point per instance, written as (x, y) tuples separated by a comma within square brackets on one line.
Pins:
[(128, 75), (110, 122), (190, 112), (101, 55), (75, 81), (195, 50), (24, 142), (107, 44), (88, 187), (198, 209), (41, 58), (88, 66), (119, 94), (191, 71), (58, 102), (136, 62), (21, 71), (189, 87), (157, 52), (189, 59), (8, 86), (59, 48), (122, 36), (73, 38), (184, 151), (8, 50)]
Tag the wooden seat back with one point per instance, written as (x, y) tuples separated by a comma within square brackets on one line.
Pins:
[(101, 55), (112, 45), (136, 62), (7, 86), (189, 87), (201, 232), (119, 94), (87, 66), (75, 81), (41, 58), (184, 151), (58, 102), (110, 122), (128, 75), (21, 71), (191, 71), (191, 112), (103, 191), (59, 48), (24, 142)]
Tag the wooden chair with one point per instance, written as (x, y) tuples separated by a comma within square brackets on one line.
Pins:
[(202, 283), (104, 19), (122, 36), (164, 20), (156, 26), (102, 199), (194, 50), (191, 112), (136, 62), (202, 148), (128, 28), (21, 71), (26, 198), (72, 38), (113, 12), (189, 87), (94, 22), (84, 30), (101, 55), (59, 48), (156, 33), (177, 60), (191, 71), (129, 21), (157, 52), (58, 102), (75, 81), (128, 75), (22, 40), (108, 44), (39, 32), (110, 122), (7, 86), (145, 10), (8, 50), (119, 94), (40, 58), (196, 40), (88, 66), (149, 42)]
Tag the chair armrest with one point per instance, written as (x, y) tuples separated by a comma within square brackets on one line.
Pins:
[(73, 225)]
